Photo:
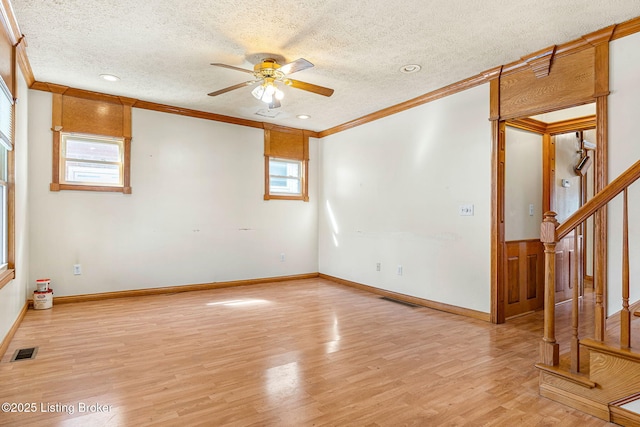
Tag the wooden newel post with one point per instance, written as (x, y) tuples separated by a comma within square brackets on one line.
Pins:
[(549, 349)]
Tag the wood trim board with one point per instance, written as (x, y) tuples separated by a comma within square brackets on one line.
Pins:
[(217, 285), (14, 328), (411, 299), (175, 289)]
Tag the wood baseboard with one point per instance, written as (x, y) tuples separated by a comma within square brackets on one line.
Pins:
[(411, 299), (575, 401), (623, 417), (175, 289), (7, 339)]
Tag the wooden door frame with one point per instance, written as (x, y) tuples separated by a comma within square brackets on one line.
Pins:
[(547, 132), (508, 88)]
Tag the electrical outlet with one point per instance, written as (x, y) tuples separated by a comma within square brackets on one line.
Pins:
[(282, 257), (77, 269), (466, 210), (531, 209), (399, 271), (378, 266)]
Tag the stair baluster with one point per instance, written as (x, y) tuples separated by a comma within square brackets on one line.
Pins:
[(575, 341), (549, 348), (625, 314)]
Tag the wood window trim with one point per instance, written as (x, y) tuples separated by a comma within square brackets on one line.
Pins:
[(287, 144), (7, 276), (304, 177), (8, 272), (82, 125), (56, 185)]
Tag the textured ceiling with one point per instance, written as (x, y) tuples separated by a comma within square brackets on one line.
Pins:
[(161, 49)]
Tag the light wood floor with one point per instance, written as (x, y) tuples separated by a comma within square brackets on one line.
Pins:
[(302, 353)]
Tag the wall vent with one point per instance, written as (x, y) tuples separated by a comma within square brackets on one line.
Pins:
[(408, 304)]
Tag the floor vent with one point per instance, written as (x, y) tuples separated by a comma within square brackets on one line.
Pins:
[(25, 354), (408, 304)]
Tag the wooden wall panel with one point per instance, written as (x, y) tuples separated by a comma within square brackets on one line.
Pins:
[(533, 275), (525, 277), (513, 279), (570, 82), (565, 257), (90, 116)]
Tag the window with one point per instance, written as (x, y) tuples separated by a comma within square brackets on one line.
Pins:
[(285, 177), (4, 205), (6, 178), (91, 142), (286, 152), (91, 160)]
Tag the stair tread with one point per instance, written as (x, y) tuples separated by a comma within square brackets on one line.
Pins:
[(612, 348)]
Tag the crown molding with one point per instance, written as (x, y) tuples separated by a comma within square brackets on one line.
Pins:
[(538, 61), (601, 36), (17, 39), (9, 22), (626, 28), (528, 124), (146, 105), (451, 89)]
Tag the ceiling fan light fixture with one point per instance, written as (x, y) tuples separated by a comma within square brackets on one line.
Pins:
[(267, 98), (258, 92), (267, 74), (267, 92)]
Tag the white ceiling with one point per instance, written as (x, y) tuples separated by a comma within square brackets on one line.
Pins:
[(161, 49)]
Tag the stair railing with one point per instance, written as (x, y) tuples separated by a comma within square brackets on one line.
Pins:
[(551, 232)]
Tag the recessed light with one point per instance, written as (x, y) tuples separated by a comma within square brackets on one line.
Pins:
[(109, 77), (303, 116), (410, 68)]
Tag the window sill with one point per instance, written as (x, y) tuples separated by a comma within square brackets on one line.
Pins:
[(280, 197), (7, 276), (59, 187)]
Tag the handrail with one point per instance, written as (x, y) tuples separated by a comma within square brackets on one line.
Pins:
[(599, 200)]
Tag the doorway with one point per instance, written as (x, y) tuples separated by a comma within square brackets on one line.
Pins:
[(549, 162)]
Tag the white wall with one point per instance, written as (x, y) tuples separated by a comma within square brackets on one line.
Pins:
[(624, 150), (391, 192), (13, 296), (590, 135), (523, 184), (197, 186), (567, 157)]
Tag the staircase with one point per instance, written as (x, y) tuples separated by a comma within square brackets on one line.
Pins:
[(600, 372)]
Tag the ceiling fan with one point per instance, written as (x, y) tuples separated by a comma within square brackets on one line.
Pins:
[(270, 74)]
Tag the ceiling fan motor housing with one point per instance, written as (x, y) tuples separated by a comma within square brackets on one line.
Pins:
[(268, 69)]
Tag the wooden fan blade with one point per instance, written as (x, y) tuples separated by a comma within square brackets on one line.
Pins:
[(320, 90), (231, 67), (234, 87), (295, 66)]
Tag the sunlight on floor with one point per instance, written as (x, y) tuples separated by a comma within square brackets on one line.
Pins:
[(240, 302)]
